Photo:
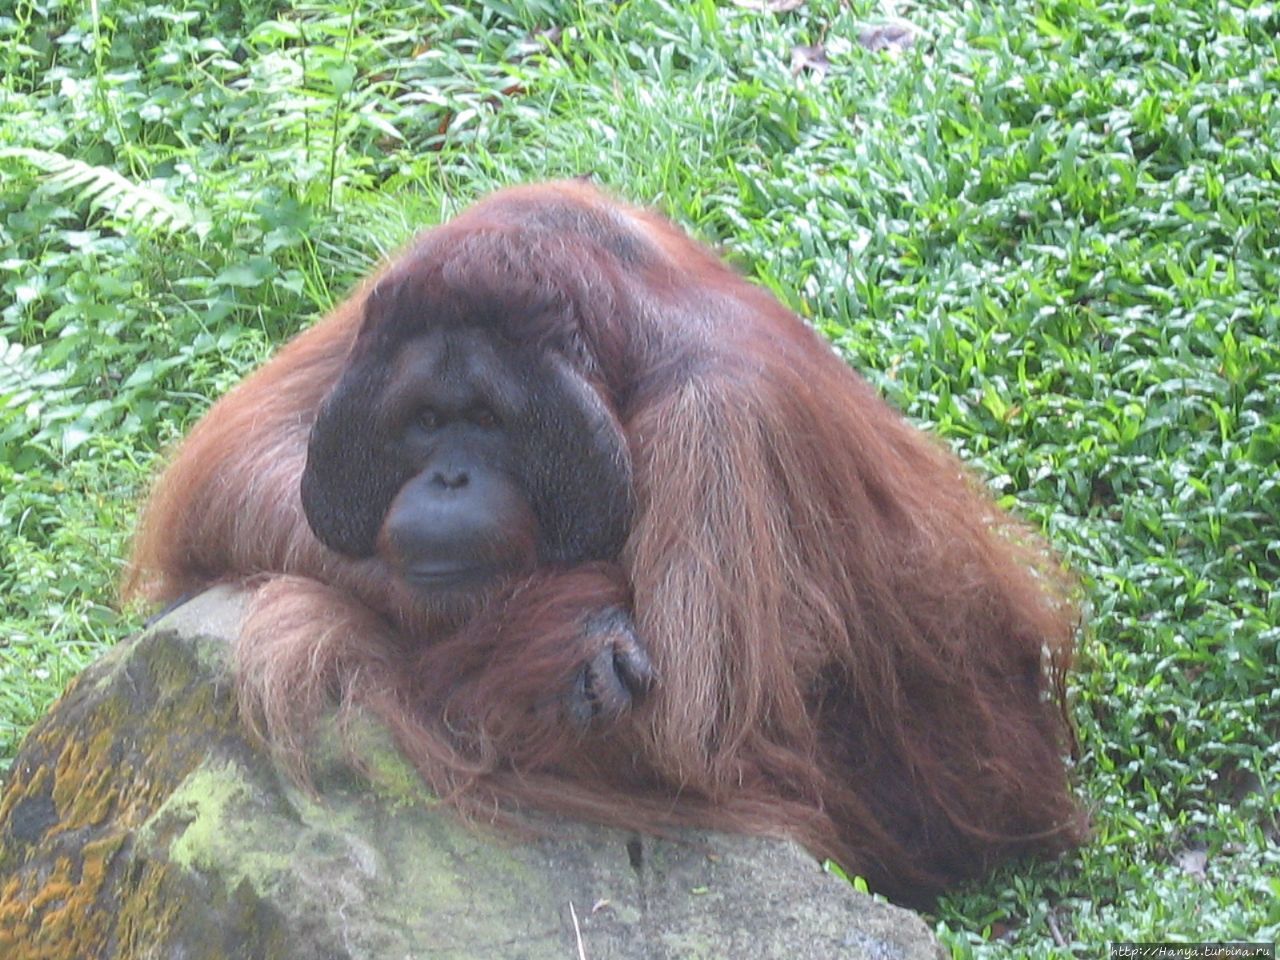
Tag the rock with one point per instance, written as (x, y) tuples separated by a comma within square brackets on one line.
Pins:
[(138, 822)]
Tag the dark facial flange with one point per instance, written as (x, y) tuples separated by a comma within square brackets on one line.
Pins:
[(569, 454)]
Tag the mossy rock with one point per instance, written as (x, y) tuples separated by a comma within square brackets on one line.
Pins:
[(138, 823)]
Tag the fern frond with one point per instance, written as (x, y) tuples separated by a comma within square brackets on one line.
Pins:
[(105, 189)]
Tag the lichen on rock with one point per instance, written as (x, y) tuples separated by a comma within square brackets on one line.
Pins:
[(139, 822)]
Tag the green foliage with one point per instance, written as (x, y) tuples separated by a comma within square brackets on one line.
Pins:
[(101, 188), (1048, 231)]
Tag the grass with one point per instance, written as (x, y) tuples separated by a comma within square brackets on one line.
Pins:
[(1049, 231)]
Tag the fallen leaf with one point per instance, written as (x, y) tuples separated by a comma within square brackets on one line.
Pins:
[(892, 36), (773, 6), (814, 59)]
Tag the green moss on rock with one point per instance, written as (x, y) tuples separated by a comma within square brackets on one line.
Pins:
[(139, 822)]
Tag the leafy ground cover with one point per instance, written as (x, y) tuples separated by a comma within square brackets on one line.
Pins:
[(1048, 230)]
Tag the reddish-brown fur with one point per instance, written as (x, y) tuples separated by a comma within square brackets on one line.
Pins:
[(854, 646)]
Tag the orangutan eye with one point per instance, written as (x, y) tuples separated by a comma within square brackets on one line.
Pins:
[(483, 417), (428, 418)]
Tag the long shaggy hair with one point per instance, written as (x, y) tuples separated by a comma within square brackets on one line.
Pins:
[(853, 645)]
